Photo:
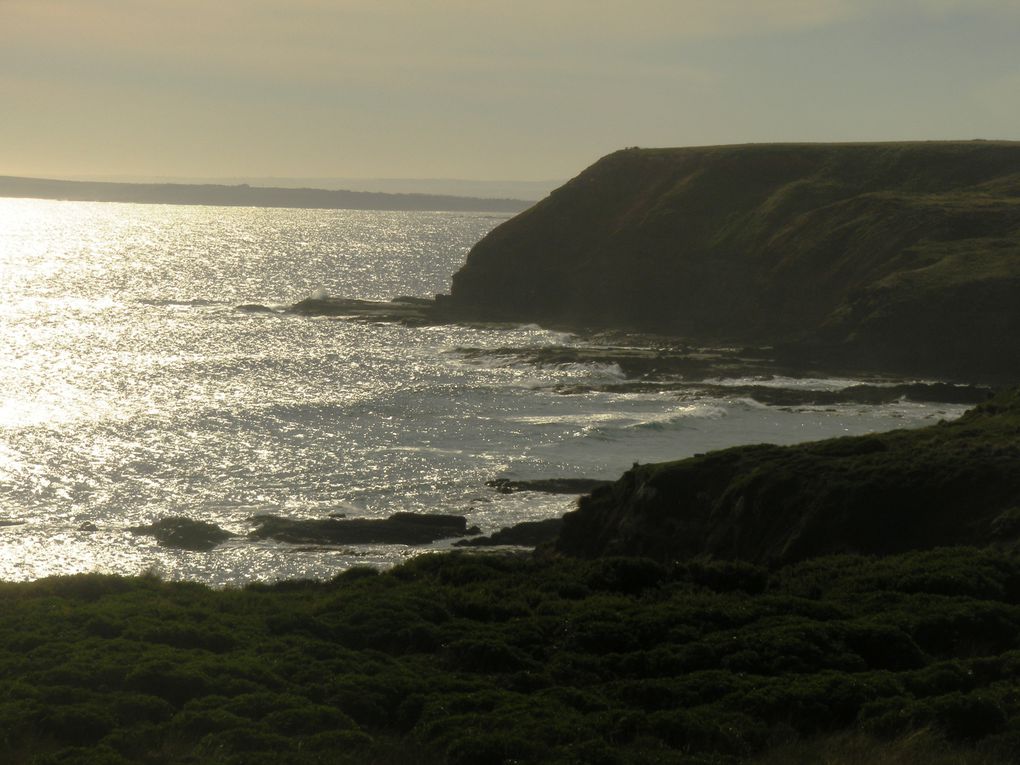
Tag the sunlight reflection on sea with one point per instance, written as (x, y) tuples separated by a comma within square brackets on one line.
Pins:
[(132, 389)]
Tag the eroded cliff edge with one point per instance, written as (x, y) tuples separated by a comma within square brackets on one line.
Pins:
[(896, 257)]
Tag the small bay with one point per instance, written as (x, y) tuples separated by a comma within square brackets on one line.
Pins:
[(132, 389)]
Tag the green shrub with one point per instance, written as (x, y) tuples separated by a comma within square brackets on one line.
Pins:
[(492, 749), (709, 729), (77, 724), (630, 576), (175, 683), (967, 716), (486, 655), (893, 716), (883, 646), (194, 724), (724, 576), (308, 719), (241, 740)]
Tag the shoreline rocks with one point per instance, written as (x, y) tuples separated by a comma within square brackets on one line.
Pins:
[(414, 312), (547, 485), (525, 534), (399, 528), (184, 533)]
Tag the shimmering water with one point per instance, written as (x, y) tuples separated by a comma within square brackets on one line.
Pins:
[(132, 389)]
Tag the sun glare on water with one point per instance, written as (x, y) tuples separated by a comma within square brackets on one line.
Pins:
[(132, 389)]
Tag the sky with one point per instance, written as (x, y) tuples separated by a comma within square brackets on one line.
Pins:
[(472, 89)]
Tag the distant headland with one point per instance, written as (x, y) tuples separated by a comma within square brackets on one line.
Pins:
[(900, 257), (244, 195)]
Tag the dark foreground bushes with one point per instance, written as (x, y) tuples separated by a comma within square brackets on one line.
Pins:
[(488, 659)]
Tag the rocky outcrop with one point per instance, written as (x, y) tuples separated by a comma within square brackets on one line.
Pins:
[(953, 483), (402, 310), (524, 534), (547, 485), (399, 528), (183, 533), (900, 257)]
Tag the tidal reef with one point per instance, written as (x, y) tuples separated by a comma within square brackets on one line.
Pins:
[(895, 257), (651, 364)]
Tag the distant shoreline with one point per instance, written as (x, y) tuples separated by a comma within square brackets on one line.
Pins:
[(247, 196)]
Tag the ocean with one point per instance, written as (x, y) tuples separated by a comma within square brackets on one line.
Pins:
[(133, 389)]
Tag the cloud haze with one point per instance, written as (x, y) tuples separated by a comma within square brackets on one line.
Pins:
[(480, 89)]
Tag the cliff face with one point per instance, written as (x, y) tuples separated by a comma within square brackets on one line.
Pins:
[(893, 256), (951, 484)]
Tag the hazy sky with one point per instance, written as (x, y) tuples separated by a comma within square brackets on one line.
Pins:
[(515, 89)]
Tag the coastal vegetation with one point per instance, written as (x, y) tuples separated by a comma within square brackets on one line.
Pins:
[(475, 659)]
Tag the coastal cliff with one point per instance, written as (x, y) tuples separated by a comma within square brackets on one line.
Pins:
[(953, 483), (896, 257)]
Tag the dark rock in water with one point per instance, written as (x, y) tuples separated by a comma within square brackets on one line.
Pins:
[(526, 534), (399, 528), (255, 308), (184, 533), (547, 485), (88, 526), (954, 483), (11, 523), (411, 300), (409, 311), (897, 257)]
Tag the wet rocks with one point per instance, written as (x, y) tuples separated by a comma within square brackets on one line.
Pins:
[(399, 528), (184, 533), (548, 485), (402, 310), (526, 534)]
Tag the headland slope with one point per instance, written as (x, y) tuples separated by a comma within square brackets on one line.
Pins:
[(894, 256)]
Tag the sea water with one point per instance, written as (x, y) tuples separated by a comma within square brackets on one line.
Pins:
[(133, 389)]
